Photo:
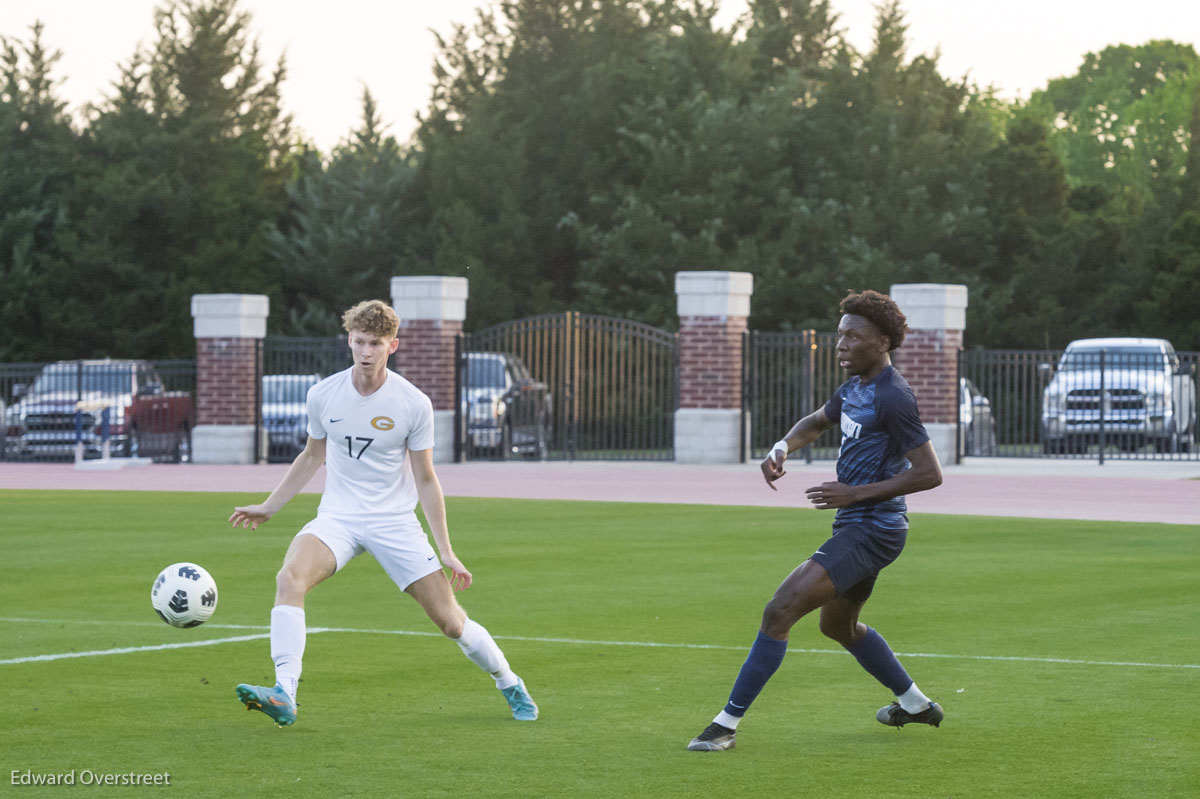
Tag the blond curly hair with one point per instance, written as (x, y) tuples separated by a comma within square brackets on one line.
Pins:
[(374, 317)]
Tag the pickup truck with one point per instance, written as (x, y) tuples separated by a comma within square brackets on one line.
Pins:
[(507, 412), (142, 418), (1133, 388)]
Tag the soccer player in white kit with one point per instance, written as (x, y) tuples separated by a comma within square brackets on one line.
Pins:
[(373, 430)]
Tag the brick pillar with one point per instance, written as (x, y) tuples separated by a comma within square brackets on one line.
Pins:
[(713, 308), (228, 329), (937, 317), (431, 311)]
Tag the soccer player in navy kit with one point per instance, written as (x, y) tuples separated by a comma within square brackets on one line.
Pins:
[(885, 454)]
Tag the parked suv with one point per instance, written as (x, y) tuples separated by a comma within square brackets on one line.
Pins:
[(142, 418), (505, 409), (1135, 386)]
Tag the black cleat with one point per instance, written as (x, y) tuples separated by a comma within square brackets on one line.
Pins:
[(715, 738), (895, 716)]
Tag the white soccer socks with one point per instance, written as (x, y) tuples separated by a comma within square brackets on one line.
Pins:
[(912, 700), (477, 644), (288, 634), (727, 720)]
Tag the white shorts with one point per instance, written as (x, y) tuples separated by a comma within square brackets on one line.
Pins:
[(398, 542)]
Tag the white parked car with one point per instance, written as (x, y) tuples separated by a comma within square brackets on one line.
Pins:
[(284, 414), (1133, 388)]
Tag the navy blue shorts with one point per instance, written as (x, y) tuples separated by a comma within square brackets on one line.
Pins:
[(856, 554)]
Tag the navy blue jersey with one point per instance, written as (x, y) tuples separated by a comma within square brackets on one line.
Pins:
[(880, 423)]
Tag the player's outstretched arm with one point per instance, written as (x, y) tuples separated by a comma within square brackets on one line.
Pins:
[(433, 502), (803, 433), (298, 474)]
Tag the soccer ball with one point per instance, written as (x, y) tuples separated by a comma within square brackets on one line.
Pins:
[(184, 595)]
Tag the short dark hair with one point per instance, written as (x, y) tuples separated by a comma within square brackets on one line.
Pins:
[(881, 311)]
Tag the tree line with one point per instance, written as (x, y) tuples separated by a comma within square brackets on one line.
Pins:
[(576, 154)]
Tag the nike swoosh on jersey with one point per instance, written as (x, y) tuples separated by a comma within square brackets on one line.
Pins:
[(335, 421)]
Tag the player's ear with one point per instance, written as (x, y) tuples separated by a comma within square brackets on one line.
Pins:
[(395, 345)]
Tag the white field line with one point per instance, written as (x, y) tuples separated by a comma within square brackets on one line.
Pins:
[(125, 650), (532, 639)]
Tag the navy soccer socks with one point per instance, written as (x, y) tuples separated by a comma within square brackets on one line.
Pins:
[(874, 655), (765, 656)]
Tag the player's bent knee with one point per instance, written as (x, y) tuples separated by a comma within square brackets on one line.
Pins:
[(779, 615), (451, 624), (838, 632), (291, 583), (286, 585)]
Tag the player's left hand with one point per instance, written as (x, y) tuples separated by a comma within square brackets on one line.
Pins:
[(460, 578), (830, 495)]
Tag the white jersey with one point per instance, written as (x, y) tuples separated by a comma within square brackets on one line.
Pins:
[(366, 455)]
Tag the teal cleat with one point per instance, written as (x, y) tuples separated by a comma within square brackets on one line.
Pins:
[(273, 701), (522, 704)]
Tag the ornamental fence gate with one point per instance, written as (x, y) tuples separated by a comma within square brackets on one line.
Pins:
[(568, 386), (787, 376)]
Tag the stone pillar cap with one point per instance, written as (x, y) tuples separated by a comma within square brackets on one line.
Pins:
[(230, 315), (721, 294), (441, 298), (932, 306)]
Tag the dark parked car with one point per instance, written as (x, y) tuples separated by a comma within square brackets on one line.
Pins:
[(506, 411), (976, 424), (284, 414)]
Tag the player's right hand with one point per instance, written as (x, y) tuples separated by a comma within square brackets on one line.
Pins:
[(772, 467), (460, 578), (250, 516)]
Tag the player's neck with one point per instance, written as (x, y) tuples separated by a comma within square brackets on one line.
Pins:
[(368, 383), (876, 370)]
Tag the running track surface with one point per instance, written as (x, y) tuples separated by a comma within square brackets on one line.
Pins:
[(1131, 491)]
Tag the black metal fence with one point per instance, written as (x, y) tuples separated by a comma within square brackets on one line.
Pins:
[(290, 365), (90, 409), (786, 377), (1131, 399), (567, 386), (575, 386)]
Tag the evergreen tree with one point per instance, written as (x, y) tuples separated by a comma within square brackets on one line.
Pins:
[(350, 227), (38, 165), (184, 176)]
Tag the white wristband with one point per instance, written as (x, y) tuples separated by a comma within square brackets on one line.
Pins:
[(781, 444)]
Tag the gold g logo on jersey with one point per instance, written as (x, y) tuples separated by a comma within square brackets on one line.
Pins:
[(382, 423)]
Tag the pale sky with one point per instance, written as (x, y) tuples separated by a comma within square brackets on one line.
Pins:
[(333, 48)]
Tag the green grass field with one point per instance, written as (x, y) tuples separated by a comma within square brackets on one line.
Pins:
[(1065, 654)]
